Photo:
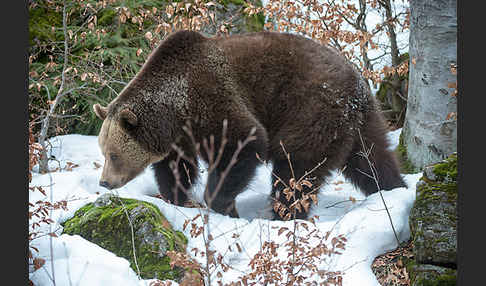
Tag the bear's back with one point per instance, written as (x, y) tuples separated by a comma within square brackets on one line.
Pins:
[(284, 75), (283, 56)]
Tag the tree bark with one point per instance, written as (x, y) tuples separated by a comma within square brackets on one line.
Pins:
[(428, 134)]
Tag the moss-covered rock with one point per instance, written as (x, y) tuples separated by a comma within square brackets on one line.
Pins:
[(105, 223), (433, 218), (431, 275)]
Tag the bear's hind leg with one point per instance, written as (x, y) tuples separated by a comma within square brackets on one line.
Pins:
[(386, 173), (386, 170), (166, 180)]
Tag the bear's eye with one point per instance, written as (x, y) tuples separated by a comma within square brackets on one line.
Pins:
[(113, 157)]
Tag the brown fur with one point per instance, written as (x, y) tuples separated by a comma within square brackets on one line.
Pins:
[(290, 88)]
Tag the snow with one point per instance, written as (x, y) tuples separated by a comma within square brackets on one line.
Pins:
[(394, 138), (363, 221)]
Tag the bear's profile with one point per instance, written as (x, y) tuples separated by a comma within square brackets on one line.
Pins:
[(291, 89)]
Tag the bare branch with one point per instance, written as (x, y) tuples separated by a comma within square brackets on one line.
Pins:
[(366, 153), (43, 163)]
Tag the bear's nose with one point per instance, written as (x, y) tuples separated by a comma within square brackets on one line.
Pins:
[(105, 184)]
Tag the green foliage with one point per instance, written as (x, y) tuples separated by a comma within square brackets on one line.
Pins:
[(41, 21), (107, 46), (102, 57), (102, 54), (255, 23)]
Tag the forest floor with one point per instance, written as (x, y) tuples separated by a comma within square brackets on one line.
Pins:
[(390, 268)]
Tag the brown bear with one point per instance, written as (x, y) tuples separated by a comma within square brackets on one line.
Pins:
[(290, 88)]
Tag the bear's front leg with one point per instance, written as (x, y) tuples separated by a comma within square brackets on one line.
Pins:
[(225, 184), (168, 187)]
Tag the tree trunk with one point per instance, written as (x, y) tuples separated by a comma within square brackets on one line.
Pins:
[(429, 135), (397, 98)]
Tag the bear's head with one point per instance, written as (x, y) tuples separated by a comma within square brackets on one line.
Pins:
[(125, 158)]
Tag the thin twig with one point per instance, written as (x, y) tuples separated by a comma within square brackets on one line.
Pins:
[(117, 195), (337, 203), (287, 155), (366, 154), (232, 162), (307, 173)]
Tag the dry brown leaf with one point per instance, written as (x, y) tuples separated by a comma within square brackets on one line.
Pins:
[(307, 183), (38, 262)]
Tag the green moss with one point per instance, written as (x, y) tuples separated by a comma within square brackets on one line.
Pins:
[(406, 165), (440, 280), (108, 227), (444, 183), (435, 205), (447, 170), (419, 276), (434, 191), (440, 195)]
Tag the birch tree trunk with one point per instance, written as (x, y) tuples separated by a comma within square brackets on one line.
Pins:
[(429, 134)]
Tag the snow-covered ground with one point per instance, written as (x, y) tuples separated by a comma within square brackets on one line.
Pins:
[(363, 221)]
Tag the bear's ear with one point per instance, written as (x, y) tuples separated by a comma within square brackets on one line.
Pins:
[(100, 111), (128, 119)]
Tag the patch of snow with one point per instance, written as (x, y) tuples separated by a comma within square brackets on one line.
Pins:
[(341, 208), (394, 138)]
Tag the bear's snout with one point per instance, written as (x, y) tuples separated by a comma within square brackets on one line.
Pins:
[(105, 184)]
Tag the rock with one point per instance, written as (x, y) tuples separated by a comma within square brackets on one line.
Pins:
[(433, 217), (429, 173), (426, 274), (433, 224), (105, 223)]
